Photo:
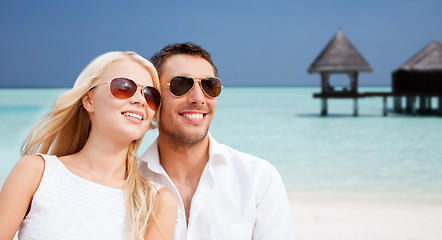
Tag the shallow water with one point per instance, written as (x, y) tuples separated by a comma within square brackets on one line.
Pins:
[(394, 155)]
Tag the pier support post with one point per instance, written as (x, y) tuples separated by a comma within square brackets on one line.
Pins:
[(440, 105), (409, 103), (422, 104), (355, 107), (397, 104), (323, 106), (429, 104), (413, 105), (385, 106)]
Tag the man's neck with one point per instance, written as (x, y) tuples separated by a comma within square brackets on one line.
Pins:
[(183, 160)]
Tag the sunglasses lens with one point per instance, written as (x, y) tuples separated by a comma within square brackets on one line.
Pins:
[(153, 97), (122, 88), (212, 86), (180, 85)]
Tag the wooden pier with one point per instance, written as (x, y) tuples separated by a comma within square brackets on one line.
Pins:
[(410, 101), (420, 78)]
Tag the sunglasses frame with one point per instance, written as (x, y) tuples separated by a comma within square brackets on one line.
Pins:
[(195, 79), (139, 85)]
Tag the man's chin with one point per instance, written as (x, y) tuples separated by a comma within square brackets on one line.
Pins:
[(185, 137), (193, 138)]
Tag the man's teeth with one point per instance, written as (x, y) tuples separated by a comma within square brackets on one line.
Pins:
[(134, 115), (193, 115)]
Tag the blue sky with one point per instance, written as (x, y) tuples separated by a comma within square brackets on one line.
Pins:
[(253, 43)]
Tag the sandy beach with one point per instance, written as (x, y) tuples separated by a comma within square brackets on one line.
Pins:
[(321, 217), (373, 219)]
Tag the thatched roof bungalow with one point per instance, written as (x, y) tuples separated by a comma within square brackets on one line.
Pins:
[(339, 57), (421, 74)]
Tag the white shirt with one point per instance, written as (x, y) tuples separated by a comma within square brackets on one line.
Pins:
[(66, 206), (239, 196)]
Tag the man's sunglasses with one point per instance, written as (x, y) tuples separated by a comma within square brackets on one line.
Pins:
[(181, 85), (123, 88)]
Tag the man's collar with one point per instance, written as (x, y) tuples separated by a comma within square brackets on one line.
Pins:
[(216, 152), (152, 159)]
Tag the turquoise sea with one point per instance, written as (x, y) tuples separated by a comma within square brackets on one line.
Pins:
[(371, 155)]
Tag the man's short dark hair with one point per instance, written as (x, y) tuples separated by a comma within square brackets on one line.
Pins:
[(187, 48)]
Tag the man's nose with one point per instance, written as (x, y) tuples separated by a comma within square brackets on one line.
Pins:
[(196, 95)]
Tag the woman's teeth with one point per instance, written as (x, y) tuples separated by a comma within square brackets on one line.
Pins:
[(134, 115)]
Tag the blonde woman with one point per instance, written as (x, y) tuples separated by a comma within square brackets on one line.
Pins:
[(90, 187)]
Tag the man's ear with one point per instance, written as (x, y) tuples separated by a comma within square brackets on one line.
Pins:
[(87, 101)]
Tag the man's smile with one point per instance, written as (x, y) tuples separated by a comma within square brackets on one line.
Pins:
[(193, 116)]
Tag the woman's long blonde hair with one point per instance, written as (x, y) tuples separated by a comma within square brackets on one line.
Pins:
[(66, 128)]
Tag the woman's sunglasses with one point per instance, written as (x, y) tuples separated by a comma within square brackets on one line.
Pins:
[(181, 85), (123, 88)]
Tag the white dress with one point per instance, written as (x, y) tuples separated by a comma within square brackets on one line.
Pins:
[(66, 206)]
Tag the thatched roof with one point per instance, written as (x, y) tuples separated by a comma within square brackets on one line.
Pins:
[(340, 56), (428, 59)]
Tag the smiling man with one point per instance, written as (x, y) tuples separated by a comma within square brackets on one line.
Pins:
[(222, 193)]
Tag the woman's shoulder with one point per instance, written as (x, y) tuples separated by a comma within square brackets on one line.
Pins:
[(162, 194), (30, 169), (26, 175), (165, 211), (166, 193), (31, 164), (166, 198)]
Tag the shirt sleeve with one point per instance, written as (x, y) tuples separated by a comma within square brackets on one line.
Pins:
[(273, 220)]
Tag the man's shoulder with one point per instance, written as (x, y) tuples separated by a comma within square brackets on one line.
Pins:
[(249, 173), (242, 160)]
